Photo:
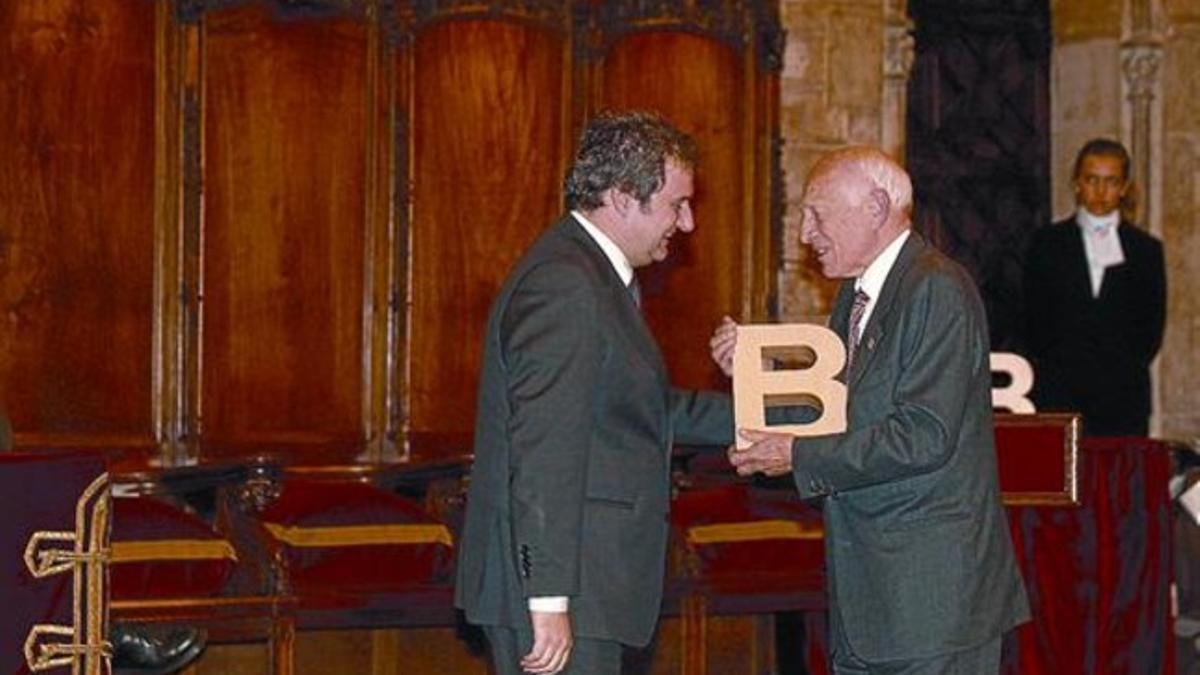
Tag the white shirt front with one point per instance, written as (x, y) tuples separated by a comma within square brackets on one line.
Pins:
[(611, 251), (871, 280), (1101, 244)]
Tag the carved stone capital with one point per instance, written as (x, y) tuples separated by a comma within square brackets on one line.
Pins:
[(898, 49), (1140, 64)]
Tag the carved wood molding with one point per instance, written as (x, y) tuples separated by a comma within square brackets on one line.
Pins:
[(402, 20), (191, 294), (772, 39), (736, 23), (725, 20), (549, 12), (191, 11), (399, 322)]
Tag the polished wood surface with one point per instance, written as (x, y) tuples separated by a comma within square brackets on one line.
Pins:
[(284, 178), (487, 173), (76, 219), (737, 645), (237, 228)]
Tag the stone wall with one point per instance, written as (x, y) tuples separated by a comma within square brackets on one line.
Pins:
[(1179, 363), (835, 92)]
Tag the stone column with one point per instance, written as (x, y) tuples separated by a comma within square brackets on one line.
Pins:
[(840, 86), (1141, 53), (1141, 112), (1178, 214), (898, 45)]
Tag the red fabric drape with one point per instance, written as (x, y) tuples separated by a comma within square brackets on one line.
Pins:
[(1099, 576)]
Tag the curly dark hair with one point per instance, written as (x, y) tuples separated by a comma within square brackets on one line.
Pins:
[(627, 150)]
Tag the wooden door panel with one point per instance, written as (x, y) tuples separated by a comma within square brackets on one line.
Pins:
[(488, 115), (694, 81), (285, 113), (76, 218)]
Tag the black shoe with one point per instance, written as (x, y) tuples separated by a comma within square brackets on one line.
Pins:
[(154, 650)]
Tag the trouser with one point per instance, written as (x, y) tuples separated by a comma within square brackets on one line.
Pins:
[(980, 660)]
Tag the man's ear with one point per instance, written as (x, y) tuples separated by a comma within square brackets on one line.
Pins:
[(879, 205), (621, 201)]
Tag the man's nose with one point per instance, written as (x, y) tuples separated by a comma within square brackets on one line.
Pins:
[(685, 221)]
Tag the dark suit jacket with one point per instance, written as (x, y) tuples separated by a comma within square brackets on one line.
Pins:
[(917, 543), (570, 490), (1092, 355)]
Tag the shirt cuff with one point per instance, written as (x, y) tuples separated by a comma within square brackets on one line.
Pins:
[(548, 603)]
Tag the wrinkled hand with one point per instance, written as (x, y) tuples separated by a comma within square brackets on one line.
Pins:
[(552, 642), (769, 453), (721, 345)]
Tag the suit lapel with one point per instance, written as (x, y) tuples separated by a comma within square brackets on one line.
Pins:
[(628, 317), (1079, 277), (873, 332), (1116, 276)]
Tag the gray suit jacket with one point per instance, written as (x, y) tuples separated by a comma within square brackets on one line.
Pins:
[(917, 543), (570, 489)]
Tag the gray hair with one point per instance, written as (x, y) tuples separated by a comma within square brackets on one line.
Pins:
[(876, 167)]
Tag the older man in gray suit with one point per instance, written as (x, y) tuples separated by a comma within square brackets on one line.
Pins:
[(564, 543), (921, 571)]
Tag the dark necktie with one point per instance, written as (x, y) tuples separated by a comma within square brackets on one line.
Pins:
[(635, 291), (856, 314)]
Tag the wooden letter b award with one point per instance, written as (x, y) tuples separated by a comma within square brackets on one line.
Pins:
[(791, 367)]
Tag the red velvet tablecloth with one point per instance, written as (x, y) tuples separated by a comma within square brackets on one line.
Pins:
[(1099, 576)]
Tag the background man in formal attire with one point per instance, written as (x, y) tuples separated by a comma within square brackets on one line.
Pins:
[(921, 571), (563, 547), (1096, 295)]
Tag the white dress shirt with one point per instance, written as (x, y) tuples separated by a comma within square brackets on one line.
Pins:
[(611, 251), (1101, 244), (871, 280)]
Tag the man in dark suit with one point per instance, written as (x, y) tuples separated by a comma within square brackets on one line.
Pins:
[(921, 572), (563, 547), (1096, 301)]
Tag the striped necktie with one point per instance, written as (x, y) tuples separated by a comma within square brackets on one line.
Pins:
[(856, 314), (635, 291)]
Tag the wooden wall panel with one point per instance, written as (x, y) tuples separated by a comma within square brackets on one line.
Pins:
[(285, 107), (696, 83), (488, 115), (228, 226), (76, 218)]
